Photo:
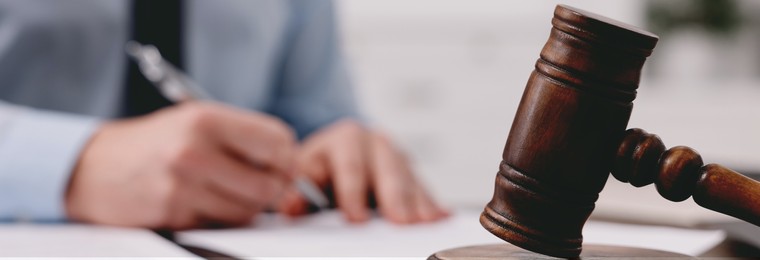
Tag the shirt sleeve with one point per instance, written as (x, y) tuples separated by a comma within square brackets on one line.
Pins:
[(38, 150), (313, 88)]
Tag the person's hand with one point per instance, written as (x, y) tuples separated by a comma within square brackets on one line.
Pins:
[(192, 165), (355, 164)]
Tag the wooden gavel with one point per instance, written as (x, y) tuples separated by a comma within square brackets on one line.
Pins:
[(569, 134)]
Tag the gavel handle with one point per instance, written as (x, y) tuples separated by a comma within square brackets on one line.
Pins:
[(679, 173), (724, 190)]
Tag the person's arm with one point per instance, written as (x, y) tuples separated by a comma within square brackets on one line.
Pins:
[(338, 152), (38, 150)]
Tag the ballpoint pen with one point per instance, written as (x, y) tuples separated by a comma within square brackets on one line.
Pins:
[(178, 87)]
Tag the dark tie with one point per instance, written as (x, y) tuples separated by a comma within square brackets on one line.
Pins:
[(156, 22)]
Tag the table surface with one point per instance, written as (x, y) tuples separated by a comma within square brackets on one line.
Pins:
[(327, 235), (315, 235)]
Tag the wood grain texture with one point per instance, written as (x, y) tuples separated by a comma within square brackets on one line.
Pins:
[(680, 173), (506, 251), (569, 134), (728, 192), (562, 144), (637, 158)]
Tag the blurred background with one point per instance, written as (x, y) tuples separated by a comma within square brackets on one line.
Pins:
[(444, 78)]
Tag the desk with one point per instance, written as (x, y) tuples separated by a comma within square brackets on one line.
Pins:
[(76, 240), (327, 236)]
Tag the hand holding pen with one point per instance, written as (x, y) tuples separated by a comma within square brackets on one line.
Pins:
[(178, 87), (193, 165), (356, 164), (181, 167)]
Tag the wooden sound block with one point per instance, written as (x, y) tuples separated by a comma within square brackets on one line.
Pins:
[(507, 251)]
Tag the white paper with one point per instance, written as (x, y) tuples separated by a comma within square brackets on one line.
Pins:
[(76, 240), (327, 235)]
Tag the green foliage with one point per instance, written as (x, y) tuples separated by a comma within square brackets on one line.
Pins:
[(715, 16)]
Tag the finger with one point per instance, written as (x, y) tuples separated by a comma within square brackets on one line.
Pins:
[(312, 161), (423, 205), (312, 164), (393, 182), (396, 204), (215, 208), (258, 138), (238, 180), (293, 203), (427, 209), (181, 216), (350, 178), (183, 219)]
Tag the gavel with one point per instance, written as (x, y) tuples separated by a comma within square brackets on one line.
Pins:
[(569, 134)]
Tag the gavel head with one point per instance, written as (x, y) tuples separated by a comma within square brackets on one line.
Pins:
[(572, 116)]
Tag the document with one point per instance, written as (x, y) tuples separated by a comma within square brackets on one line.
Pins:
[(76, 240), (328, 235)]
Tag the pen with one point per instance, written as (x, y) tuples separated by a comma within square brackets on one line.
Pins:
[(178, 87)]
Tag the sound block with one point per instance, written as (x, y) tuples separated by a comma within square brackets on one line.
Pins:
[(507, 251)]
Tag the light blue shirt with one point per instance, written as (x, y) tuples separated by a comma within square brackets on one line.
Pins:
[(62, 69)]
